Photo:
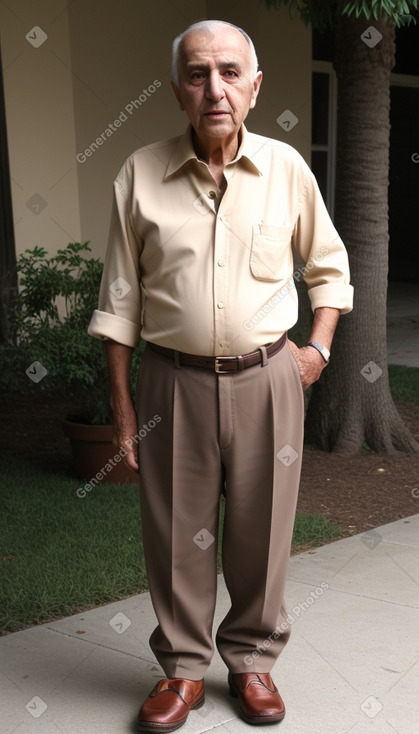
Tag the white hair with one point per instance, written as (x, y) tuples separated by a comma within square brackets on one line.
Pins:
[(209, 26)]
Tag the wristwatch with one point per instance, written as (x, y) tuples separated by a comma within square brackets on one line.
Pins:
[(320, 348)]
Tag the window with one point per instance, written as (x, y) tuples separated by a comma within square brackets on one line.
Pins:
[(323, 130)]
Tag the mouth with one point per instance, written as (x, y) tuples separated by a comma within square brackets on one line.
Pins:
[(216, 114)]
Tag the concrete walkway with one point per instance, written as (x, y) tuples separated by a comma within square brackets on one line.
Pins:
[(352, 664)]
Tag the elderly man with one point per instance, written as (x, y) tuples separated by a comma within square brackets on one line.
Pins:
[(199, 264)]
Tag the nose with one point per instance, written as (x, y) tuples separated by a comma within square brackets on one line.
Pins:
[(214, 88)]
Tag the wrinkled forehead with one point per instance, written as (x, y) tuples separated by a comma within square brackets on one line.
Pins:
[(224, 45)]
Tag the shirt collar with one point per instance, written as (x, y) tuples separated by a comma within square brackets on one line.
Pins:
[(249, 151)]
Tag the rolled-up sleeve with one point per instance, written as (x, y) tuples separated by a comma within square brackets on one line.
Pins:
[(326, 269), (118, 315)]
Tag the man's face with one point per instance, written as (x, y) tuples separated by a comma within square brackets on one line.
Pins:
[(216, 85)]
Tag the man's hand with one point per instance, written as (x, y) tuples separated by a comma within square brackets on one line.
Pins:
[(310, 363), (309, 360), (124, 434)]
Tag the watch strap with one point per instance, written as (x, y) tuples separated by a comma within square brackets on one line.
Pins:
[(320, 348)]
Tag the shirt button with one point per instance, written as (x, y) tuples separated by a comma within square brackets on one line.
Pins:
[(220, 263), (212, 194), (220, 304)]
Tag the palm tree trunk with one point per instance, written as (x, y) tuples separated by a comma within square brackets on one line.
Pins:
[(352, 405)]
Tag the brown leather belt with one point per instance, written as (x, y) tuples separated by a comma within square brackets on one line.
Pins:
[(222, 365)]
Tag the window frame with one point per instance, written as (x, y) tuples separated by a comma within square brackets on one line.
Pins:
[(326, 67)]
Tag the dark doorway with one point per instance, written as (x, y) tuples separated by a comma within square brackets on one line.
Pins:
[(404, 184)]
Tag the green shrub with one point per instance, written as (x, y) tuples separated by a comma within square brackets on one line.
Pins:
[(48, 324)]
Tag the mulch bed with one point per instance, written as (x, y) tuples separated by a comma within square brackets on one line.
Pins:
[(362, 491), (358, 492)]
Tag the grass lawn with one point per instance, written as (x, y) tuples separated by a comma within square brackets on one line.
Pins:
[(404, 383), (61, 553)]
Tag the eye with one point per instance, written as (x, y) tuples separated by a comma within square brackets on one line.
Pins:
[(197, 75), (230, 73)]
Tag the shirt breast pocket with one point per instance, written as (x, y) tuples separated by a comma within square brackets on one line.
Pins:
[(271, 254)]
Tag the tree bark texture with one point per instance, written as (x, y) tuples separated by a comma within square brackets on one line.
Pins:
[(351, 404)]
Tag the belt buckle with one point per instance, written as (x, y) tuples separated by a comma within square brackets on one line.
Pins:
[(218, 364)]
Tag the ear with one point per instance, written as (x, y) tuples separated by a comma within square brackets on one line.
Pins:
[(177, 95), (255, 88)]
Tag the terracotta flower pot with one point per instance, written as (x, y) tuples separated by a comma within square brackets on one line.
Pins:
[(96, 460)]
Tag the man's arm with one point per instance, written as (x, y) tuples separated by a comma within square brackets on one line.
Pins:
[(310, 361), (118, 357)]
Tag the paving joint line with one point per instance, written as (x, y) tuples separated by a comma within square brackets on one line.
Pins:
[(361, 596), (99, 644)]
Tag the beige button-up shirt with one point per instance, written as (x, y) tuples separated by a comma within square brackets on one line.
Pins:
[(210, 274)]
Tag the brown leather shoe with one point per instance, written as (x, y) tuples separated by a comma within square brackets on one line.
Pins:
[(169, 703), (258, 696)]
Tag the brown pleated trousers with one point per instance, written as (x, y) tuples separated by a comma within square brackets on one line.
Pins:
[(241, 433)]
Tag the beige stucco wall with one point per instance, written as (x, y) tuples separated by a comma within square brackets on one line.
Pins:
[(82, 82), (40, 123)]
